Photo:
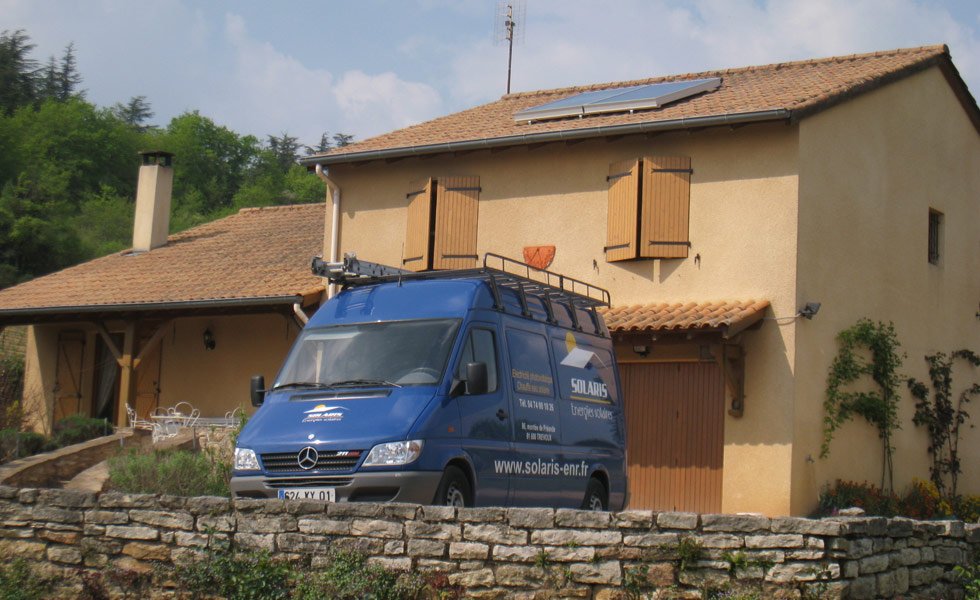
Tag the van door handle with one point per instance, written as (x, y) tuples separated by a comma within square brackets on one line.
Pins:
[(501, 414)]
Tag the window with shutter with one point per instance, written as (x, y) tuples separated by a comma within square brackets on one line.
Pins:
[(418, 236), (457, 209), (442, 224), (665, 207), (648, 208), (624, 186)]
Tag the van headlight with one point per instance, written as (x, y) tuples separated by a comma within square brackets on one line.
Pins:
[(393, 453), (245, 460)]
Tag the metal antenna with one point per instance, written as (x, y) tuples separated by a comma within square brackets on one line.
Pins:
[(509, 27)]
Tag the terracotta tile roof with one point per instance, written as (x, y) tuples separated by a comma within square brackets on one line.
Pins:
[(256, 253), (799, 88), (728, 316)]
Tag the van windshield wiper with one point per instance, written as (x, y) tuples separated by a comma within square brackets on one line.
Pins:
[(302, 384), (353, 382)]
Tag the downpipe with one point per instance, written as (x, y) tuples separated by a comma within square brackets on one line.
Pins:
[(333, 192)]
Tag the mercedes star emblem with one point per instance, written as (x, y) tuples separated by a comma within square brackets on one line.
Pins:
[(307, 457)]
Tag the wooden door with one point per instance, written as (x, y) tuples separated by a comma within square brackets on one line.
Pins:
[(68, 374), (148, 383), (675, 418)]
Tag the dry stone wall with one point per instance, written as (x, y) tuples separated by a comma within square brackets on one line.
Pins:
[(500, 553)]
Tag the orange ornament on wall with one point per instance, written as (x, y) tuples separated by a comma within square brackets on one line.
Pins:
[(539, 257)]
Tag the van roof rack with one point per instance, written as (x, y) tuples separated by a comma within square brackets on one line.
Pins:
[(499, 271)]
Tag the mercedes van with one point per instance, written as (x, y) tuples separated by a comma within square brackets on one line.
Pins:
[(493, 386)]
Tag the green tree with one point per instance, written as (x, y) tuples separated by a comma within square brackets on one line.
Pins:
[(285, 148), (135, 113), (16, 71), (68, 76), (342, 139)]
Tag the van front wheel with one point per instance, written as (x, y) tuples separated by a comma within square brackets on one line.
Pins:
[(454, 489), (596, 497)]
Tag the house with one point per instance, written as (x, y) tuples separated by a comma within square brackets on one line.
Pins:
[(181, 318), (722, 210)]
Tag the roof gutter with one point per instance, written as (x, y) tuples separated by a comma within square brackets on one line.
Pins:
[(780, 114), (26, 313)]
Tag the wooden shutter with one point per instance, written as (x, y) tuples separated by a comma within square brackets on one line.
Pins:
[(417, 255), (457, 209), (621, 221), (665, 207)]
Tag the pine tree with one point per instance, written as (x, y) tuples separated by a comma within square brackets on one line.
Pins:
[(16, 71)]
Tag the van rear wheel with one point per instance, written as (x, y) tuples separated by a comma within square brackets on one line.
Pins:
[(596, 497), (454, 489)]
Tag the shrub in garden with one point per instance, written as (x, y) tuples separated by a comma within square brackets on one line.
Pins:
[(77, 429), (16, 444), (175, 472), (845, 494), (19, 582), (237, 575)]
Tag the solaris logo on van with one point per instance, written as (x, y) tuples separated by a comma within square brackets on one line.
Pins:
[(579, 358), (322, 413)]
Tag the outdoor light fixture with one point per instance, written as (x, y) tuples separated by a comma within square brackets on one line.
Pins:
[(809, 310), (642, 350), (208, 339)]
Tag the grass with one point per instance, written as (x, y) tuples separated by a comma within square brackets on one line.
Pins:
[(174, 472)]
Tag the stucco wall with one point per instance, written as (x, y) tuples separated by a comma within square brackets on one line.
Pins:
[(870, 169), (743, 227)]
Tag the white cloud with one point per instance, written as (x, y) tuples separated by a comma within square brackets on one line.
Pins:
[(374, 104)]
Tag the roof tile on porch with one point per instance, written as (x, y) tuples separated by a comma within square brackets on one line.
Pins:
[(731, 316)]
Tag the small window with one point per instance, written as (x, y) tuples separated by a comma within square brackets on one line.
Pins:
[(480, 347), (935, 236)]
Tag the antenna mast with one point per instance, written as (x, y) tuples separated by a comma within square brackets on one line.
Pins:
[(509, 27)]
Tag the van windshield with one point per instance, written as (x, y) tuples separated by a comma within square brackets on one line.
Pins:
[(393, 353)]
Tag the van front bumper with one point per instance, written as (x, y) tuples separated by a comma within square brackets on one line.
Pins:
[(416, 487)]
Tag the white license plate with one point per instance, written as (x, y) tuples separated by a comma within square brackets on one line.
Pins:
[(325, 494)]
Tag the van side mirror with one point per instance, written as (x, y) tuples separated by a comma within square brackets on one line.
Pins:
[(258, 390), (476, 378)]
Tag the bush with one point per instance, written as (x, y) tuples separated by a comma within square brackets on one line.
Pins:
[(77, 429), (175, 472), (349, 577), (967, 508), (18, 444), (870, 497), (921, 501), (236, 576), (19, 582)]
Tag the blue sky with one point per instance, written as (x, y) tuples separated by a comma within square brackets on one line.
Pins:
[(369, 66)]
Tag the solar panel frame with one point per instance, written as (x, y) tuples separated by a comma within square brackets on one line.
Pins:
[(622, 99)]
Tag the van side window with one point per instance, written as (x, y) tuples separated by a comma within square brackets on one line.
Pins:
[(530, 365), (480, 347)]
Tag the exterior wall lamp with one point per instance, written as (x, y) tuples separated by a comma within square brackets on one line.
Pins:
[(209, 342), (809, 310), (642, 350)]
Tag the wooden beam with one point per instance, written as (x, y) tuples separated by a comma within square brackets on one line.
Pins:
[(127, 375), (111, 345), (151, 343), (731, 359)]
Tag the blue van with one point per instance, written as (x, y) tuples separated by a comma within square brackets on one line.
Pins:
[(493, 386)]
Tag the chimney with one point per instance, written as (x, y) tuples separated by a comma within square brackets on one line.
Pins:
[(156, 181)]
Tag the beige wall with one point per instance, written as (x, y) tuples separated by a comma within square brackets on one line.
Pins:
[(743, 226), (870, 169), (215, 381)]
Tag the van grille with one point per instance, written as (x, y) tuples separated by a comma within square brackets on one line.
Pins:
[(287, 462), (294, 482)]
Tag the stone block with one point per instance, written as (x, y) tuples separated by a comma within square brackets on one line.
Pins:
[(559, 537), (222, 523), (515, 553), (784, 540), (860, 548), (65, 554), (948, 555), (919, 576), (953, 529), (106, 517), (472, 579), (928, 554), (677, 520), (394, 548), (721, 540), (22, 548), (828, 527), (57, 515), (434, 565), (882, 544), (704, 578), (355, 509), (267, 524), (59, 537), (607, 572), (569, 554), (207, 505), (429, 548), (790, 572), (400, 510), (468, 551), (256, 541), (128, 563), (863, 588), (128, 532), (435, 531), (735, 523), (169, 520), (634, 519), (648, 540), (438, 513), (119, 500), (141, 551), (8, 492), (901, 580), (565, 517), (519, 576), (66, 498), (873, 564), (660, 575), (536, 518), (493, 533), (391, 563), (972, 533), (259, 505), (304, 507), (886, 584), (322, 525), (377, 528), (805, 554), (196, 540), (301, 543), (361, 545), (15, 533), (607, 593), (481, 515), (899, 527), (910, 556), (27, 496), (877, 526)]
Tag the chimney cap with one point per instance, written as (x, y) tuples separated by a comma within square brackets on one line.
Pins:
[(157, 157)]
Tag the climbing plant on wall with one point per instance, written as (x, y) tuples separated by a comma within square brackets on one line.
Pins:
[(867, 349), (942, 415)]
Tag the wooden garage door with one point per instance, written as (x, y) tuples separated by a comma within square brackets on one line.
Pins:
[(675, 415)]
